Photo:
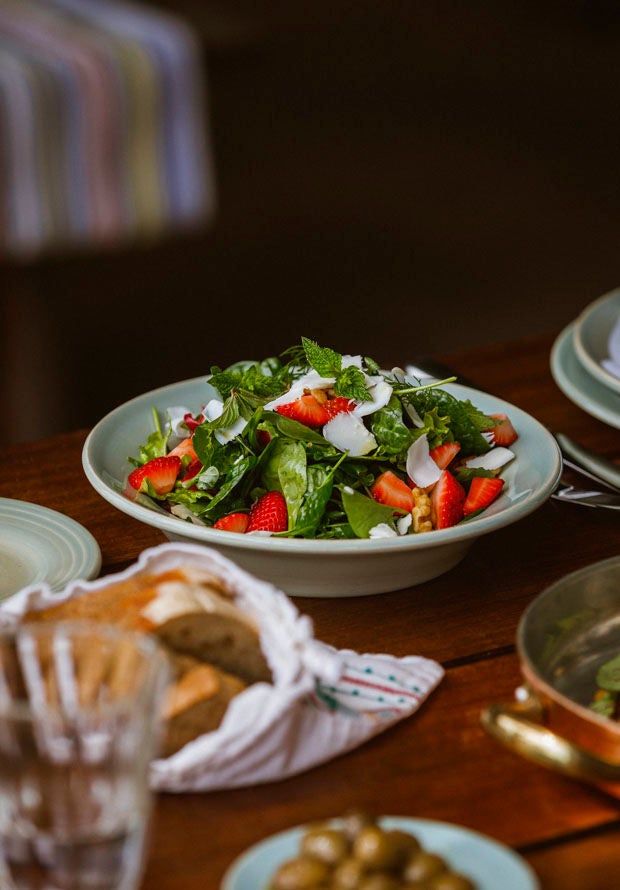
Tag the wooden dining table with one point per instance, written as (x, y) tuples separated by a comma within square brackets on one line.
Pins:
[(438, 763)]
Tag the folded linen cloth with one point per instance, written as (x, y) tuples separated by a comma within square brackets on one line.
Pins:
[(322, 702)]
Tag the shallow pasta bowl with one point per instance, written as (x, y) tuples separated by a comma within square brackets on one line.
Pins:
[(325, 568)]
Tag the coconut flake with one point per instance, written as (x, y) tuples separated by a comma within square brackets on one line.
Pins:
[(492, 460), (178, 429), (404, 524), (213, 410), (381, 393), (347, 433), (382, 530), (185, 513), (421, 467), (311, 380)]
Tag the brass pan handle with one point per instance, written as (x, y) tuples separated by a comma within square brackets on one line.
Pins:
[(515, 726)]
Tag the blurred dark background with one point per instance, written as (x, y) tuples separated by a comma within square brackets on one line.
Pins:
[(393, 178)]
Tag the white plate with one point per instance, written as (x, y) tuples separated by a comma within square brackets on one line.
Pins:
[(592, 338), (41, 546), (580, 387), (484, 861), (311, 567)]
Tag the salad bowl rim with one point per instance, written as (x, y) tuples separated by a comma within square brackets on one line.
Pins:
[(176, 527)]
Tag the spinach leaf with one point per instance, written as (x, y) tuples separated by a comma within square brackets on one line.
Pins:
[(286, 426), (318, 493), (364, 513), (389, 429), (285, 471)]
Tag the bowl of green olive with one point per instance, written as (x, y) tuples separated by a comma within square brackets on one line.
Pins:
[(361, 852)]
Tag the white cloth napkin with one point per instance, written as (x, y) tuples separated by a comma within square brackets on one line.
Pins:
[(322, 702)]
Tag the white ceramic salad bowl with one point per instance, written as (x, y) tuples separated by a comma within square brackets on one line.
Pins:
[(325, 568)]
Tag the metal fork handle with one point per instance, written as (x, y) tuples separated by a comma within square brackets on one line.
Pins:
[(597, 467)]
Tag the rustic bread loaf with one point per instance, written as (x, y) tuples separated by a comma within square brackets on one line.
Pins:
[(196, 702), (213, 646), (187, 609)]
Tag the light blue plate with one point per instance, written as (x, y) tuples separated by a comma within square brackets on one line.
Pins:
[(486, 862), (592, 338), (580, 387), (41, 546)]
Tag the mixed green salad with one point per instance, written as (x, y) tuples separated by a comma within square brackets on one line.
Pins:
[(316, 444), (606, 699)]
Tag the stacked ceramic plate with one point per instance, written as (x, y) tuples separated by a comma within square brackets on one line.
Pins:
[(585, 359)]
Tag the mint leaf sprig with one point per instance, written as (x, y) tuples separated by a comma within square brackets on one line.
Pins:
[(350, 382)]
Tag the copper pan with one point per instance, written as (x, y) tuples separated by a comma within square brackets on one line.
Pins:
[(563, 637)]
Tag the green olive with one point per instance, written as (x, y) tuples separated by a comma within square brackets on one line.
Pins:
[(378, 849), (348, 874), (451, 881), (354, 820), (379, 881), (407, 843), (302, 873), (423, 866), (330, 845)]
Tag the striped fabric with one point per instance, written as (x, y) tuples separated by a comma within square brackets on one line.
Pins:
[(103, 126)]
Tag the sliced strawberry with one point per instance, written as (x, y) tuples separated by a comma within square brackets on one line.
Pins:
[(234, 522), (192, 469), (183, 448), (445, 454), (447, 499), (338, 405), (263, 438), (482, 491), (306, 410), (191, 423), (269, 514), (161, 472), (389, 489), (504, 434)]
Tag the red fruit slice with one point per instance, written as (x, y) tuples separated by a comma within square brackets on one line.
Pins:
[(183, 448), (504, 434), (389, 489), (161, 472), (482, 491), (234, 522), (338, 405), (447, 499), (191, 422), (306, 410), (192, 469), (445, 454), (269, 514)]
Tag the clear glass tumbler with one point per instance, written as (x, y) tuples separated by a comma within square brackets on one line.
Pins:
[(80, 709)]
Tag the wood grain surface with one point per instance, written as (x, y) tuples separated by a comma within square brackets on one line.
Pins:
[(439, 763)]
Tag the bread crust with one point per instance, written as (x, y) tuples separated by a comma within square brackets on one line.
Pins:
[(213, 647)]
